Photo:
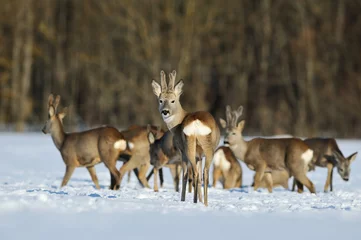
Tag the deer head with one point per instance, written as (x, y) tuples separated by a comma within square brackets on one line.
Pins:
[(54, 118), (343, 164), (233, 130), (157, 156), (168, 96)]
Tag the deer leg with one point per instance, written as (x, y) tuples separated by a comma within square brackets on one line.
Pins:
[(155, 173), (269, 181), (142, 172), (216, 175), (199, 168), (150, 174), (115, 176), (175, 175), (208, 161), (259, 176), (136, 172), (329, 176), (184, 180), (304, 180), (294, 184), (331, 185), (190, 179), (299, 186), (68, 172), (191, 157), (161, 177), (129, 175), (94, 177), (112, 181), (128, 166)]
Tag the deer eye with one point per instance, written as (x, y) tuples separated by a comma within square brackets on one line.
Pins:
[(233, 133), (172, 101), (341, 170), (160, 101)]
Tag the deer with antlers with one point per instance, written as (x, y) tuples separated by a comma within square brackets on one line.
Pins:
[(85, 149), (195, 134), (266, 155)]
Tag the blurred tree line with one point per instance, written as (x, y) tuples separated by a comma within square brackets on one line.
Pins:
[(294, 65)]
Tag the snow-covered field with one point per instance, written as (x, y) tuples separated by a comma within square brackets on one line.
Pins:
[(32, 206)]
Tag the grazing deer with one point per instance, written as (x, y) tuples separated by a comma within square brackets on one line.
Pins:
[(139, 153), (164, 153), (226, 168), (195, 134), (266, 155), (85, 149), (328, 155)]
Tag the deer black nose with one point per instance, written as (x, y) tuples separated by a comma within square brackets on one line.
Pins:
[(345, 178), (165, 112)]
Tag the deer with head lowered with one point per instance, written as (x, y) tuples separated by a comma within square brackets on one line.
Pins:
[(195, 134), (328, 155), (85, 149), (162, 153), (266, 155)]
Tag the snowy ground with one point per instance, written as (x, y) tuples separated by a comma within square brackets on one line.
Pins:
[(32, 205)]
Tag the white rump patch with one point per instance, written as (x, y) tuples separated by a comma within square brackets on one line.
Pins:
[(221, 161), (307, 156), (120, 144), (197, 128)]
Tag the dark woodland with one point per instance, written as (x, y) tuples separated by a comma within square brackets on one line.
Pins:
[(295, 66)]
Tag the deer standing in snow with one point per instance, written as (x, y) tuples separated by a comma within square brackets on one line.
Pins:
[(265, 155), (163, 153), (328, 155), (85, 149), (195, 134), (226, 168), (139, 157)]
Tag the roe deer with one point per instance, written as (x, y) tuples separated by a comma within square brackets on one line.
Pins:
[(226, 168), (164, 153), (328, 155), (139, 154), (85, 149), (194, 133), (266, 155)]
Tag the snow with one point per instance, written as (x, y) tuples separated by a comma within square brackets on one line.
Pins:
[(32, 205)]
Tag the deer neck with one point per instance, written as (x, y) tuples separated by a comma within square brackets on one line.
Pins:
[(240, 149), (176, 119), (58, 135)]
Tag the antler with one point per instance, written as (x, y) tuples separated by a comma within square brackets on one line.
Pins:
[(50, 100), (163, 81), (56, 104), (236, 114), (228, 115), (172, 76)]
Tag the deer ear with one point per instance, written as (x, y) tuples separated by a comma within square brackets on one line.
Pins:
[(223, 122), (51, 111), (178, 89), (63, 113), (240, 125), (156, 88), (151, 138), (352, 157)]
